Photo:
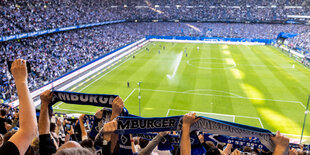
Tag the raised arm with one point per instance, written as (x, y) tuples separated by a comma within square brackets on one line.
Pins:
[(83, 130), (188, 120), (151, 145), (27, 116), (58, 126), (117, 108), (228, 148), (46, 145), (44, 121)]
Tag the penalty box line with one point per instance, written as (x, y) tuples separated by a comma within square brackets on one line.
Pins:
[(227, 96), (216, 114)]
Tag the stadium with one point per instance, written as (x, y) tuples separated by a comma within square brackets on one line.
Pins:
[(129, 77)]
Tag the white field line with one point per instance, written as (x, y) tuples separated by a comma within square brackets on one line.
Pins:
[(202, 112), (285, 67), (233, 94), (129, 94), (169, 91), (227, 115), (260, 121), (176, 64), (168, 112), (57, 105)]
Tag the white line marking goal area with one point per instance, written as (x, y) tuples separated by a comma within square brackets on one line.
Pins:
[(256, 121)]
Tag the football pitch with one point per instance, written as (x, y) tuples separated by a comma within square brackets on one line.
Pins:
[(254, 85)]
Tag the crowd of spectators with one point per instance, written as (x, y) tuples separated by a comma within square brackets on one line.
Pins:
[(34, 15), (21, 133), (54, 55)]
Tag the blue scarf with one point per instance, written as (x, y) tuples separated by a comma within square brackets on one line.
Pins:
[(100, 100), (128, 125), (215, 126), (124, 144), (157, 124), (132, 124)]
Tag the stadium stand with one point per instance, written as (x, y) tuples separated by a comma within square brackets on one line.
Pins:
[(59, 48)]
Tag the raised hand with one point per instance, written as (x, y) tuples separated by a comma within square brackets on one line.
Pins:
[(281, 143), (293, 152), (117, 107), (82, 117), (236, 152), (110, 127), (164, 133), (189, 119), (58, 122), (201, 138), (99, 114), (71, 131), (46, 97), (19, 71)]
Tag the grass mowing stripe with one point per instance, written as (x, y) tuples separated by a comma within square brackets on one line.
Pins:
[(282, 76), (220, 81), (280, 114), (238, 55), (181, 81)]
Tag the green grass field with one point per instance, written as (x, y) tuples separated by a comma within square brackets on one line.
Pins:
[(253, 85)]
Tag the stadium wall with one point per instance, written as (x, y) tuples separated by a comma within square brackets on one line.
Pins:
[(218, 40), (92, 67), (50, 31)]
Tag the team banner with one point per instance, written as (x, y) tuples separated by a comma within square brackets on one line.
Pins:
[(131, 124), (215, 126), (128, 125), (100, 100)]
